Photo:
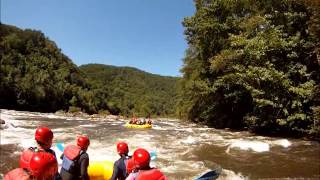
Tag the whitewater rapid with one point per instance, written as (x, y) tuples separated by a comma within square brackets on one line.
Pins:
[(183, 150)]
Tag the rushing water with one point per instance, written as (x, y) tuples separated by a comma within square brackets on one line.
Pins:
[(183, 150)]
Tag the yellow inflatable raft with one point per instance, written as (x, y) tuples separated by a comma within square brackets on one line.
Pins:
[(128, 125), (100, 170)]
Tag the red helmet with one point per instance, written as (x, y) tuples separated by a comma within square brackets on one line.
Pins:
[(83, 142), (122, 148), (43, 165), (141, 158), (44, 135)]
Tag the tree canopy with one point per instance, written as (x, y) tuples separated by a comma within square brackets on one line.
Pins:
[(131, 91), (253, 64), (34, 74)]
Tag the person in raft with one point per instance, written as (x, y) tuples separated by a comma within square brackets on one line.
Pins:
[(124, 165), (148, 118), (75, 160), (43, 166), (133, 120), (43, 137), (143, 171)]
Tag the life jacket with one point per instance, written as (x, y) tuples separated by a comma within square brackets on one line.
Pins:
[(129, 165), (152, 174), (27, 155), (17, 174), (70, 157)]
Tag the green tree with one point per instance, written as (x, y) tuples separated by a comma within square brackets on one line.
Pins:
[(251, 64)]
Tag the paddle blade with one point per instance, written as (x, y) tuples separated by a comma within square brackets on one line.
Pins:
[(60, 146), (210, 175), (153, 155)]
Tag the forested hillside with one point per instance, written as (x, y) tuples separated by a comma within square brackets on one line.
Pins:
[(132, 91), (253, 64), (34, 74)]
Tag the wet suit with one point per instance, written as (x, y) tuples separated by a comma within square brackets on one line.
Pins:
[(120, 168), (79, 171)]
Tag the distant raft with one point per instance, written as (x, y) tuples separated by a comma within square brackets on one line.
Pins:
[(128, 125), (100, 170)]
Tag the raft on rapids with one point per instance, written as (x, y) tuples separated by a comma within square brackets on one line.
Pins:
[(100, 170), (128, 125)]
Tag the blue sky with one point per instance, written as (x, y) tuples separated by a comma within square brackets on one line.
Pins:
[(146, 34)]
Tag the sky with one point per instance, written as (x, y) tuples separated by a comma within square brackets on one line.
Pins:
[(146, 34)]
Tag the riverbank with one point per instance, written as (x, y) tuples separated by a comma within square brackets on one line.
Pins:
[(88, 116)]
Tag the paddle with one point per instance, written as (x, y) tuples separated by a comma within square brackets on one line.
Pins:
[(153, 154), (60, 146), (210, 175)]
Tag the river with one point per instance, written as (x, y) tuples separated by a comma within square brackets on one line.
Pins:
[(183, 150)]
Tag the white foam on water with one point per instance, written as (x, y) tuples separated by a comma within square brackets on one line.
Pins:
[(204, 135), (170, 123), (24, 138), (198, 165), (188, 130), (169, 168), (231, 175), (139, 143), (184, 166), (28, 142), (99, 151), (156, 127), (10, 122), (74, 118), (106, 150), (256, 146), (24, 114), (5, 116), (7, 126), (190, 140), (179, 129), (53, 116), (282, 142), (166, 120), (117, 122), (20, 136), (204, 129), (88, 125), (213, 138), (65, 129)]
